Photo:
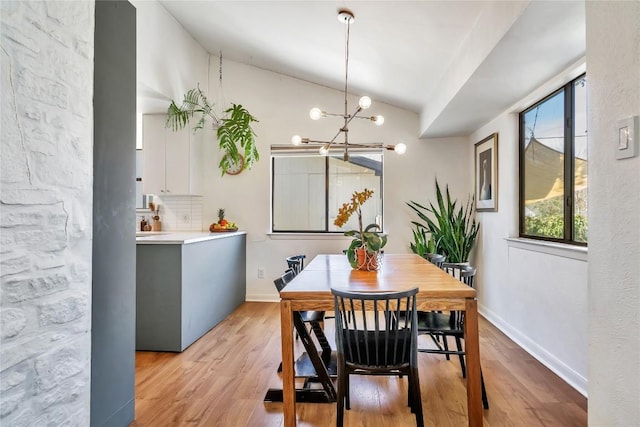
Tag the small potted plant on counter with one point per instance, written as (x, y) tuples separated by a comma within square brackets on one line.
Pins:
[(364, 251)]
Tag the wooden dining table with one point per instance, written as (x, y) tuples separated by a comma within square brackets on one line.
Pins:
[(311, 290)]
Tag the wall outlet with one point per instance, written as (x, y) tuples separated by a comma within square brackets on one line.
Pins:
[(260, 273)]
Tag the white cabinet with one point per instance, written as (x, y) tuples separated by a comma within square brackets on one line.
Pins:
[(172, 161)]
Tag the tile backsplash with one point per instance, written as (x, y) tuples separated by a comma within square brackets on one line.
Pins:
[(177, 213)]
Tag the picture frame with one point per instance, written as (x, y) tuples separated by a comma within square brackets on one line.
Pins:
[(486, 174)]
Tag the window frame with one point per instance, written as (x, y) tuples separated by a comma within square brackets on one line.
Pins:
[(327, 184), (568, 165)]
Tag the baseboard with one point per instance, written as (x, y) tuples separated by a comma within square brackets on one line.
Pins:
[(262, 298), (570, 376)]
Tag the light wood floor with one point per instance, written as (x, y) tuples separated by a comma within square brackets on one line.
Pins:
[(222, 378)]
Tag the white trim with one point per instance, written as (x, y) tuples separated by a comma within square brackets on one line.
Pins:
[(307, 236), (262, 298), (564, 250), (571, 377)]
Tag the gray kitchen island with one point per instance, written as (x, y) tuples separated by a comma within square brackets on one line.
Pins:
[(186, 283)]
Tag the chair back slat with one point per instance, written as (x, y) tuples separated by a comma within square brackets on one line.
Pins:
[(375, 330), (457, 270), (296, 263), (435, 259), (282, 281)]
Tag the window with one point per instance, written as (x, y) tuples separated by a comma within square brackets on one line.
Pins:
[(553, 166), (308, 190)]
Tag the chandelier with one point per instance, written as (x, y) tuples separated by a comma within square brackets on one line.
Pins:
[(346, 17)]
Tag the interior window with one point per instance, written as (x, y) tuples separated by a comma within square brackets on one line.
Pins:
[(308, 190)]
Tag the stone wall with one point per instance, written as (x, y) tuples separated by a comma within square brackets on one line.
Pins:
[(46, 210)]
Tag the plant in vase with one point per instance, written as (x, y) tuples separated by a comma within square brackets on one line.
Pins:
[(365, 247)]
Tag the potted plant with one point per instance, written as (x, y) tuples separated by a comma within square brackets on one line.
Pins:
[(453, 226), (233, 129), (364, 250), (423, 241)]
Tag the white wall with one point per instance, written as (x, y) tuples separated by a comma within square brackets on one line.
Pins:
[(613, 67), (170, 61), (282, 105), (536, 295), (46, 197)]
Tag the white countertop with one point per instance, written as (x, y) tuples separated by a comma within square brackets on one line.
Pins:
[(181, 237)]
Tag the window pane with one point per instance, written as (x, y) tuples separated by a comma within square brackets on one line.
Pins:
[(308, 190), (358, 173), (580, 161), (299, 193), (544, 168)]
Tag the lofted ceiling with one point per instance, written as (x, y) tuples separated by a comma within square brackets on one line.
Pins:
[(456, 63)]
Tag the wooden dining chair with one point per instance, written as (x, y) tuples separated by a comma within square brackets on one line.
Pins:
[(296, 262), (372, 340), (436, 259), (440, 326), (455, 269), (312, 318)]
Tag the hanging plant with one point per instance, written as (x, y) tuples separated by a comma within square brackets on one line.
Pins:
[(234, 130)]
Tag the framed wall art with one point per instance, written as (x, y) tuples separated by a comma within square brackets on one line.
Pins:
[(486, 173)]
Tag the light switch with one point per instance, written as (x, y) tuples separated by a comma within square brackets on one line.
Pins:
[(627, 138)]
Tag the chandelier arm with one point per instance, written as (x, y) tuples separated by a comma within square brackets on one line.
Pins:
[(346, 17)]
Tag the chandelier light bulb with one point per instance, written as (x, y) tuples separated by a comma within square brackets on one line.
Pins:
[(365, 102), (315, 113)]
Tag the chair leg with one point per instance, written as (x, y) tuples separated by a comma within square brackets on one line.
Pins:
[(416, 399), (445, 344), (346, 392), (340, 401), (461, 355), (485, 400)]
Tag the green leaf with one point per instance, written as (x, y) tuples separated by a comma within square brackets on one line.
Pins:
[(235, 134), (236, 129)]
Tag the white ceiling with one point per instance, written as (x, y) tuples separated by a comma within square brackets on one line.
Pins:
[(457, 63)]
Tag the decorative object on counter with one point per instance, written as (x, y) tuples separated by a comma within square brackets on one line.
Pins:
[(364, 251), (236, 138), (453, 227), (157, 224), (222, 224), (147, 227), (143, 223)]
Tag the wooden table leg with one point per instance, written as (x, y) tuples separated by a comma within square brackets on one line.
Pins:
[(472, 348), (288, 380)]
